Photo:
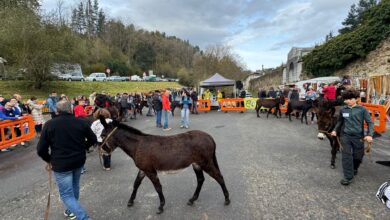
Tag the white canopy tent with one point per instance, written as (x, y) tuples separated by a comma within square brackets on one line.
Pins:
[(217, 81)]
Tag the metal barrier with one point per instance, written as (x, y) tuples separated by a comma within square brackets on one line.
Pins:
[(380, 121), (26, 134), (236, 104), (203, 105)]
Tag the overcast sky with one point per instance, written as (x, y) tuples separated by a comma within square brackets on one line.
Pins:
[(261, 32)]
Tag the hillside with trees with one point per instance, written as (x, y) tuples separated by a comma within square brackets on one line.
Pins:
[(366, 26), (32, 42)]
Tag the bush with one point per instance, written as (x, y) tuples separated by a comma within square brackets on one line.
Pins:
[(325, 59)]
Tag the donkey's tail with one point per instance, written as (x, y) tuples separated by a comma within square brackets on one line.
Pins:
[(214, 156)]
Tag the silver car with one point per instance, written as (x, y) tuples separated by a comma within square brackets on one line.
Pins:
[(72, 77)]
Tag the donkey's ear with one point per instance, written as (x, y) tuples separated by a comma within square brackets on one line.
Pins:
[(115, 123), (103, 121)]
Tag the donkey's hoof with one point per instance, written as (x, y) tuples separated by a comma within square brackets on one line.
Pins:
[(130, 203), (160, 210), (227, 201), (332, 166)]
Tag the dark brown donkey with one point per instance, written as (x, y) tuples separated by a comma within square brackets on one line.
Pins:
[(152, 153), (270, 104)]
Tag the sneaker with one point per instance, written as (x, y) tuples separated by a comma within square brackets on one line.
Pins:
[(181, 126), (381, 192), (346, 182), (69, 215), (167, 129), (84, 170), (22, 143), (107, 169), (6, 150), (186, 127), (355, 172)]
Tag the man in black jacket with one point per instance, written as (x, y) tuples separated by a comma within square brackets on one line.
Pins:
[(68, 138)]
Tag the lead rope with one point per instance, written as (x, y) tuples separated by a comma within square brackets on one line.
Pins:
[(105, 142), (367, 150), (337, 138), (48, 168)]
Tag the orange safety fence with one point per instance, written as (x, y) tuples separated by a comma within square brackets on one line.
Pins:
[(236, 104), (26, 126), (283, 108), (378, 116), (203, 105)]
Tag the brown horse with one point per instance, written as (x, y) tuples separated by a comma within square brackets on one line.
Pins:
[(270, 104), (153, 153)]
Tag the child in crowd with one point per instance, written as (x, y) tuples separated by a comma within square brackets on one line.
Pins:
[(98, 128), (350, 126)]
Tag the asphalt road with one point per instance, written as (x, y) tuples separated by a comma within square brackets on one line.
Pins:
[(273, 168)]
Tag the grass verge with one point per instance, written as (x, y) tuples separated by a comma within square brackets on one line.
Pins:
[(73, 89)]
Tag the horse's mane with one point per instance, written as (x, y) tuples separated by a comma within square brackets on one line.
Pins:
[(132, 130)]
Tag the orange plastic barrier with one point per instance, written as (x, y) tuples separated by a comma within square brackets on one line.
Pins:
[(236, 104), (88, 109), (203, 105), (380, 121), (25, 122), (283, 108)]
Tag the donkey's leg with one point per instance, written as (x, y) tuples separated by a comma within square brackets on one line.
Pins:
[(200, 179), (157, 185), (216, 174), (137, 182)]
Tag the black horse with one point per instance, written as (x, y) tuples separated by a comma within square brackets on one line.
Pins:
[(163, 153)]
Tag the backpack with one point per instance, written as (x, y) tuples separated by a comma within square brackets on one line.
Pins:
[(157, 104), (124, 103)]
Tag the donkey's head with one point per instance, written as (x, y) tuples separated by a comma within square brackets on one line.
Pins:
[(325, 122), (108, 143)]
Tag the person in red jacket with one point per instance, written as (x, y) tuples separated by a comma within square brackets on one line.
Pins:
[(79, 109), (329, 92), (166, 108)]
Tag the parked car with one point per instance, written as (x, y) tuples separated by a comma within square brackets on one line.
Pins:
[(135, 78), (115, 78), (96, 77), (76, 76), (125, 78)]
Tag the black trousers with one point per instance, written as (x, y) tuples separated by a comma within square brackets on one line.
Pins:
[(352, 155)]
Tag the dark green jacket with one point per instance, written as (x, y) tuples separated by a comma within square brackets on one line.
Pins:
[(351, 122)]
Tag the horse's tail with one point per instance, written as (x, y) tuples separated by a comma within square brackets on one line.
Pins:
[(215, 156)]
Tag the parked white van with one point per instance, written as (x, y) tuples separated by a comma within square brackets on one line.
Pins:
[(96, 77)]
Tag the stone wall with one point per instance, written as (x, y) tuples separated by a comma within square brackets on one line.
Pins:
[(376, 63)]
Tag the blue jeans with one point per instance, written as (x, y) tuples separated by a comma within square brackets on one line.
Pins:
[(158, 117), (185, 117), (69, 188), (166, 115)]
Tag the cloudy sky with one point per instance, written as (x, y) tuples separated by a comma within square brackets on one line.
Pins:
[(261, 32)]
